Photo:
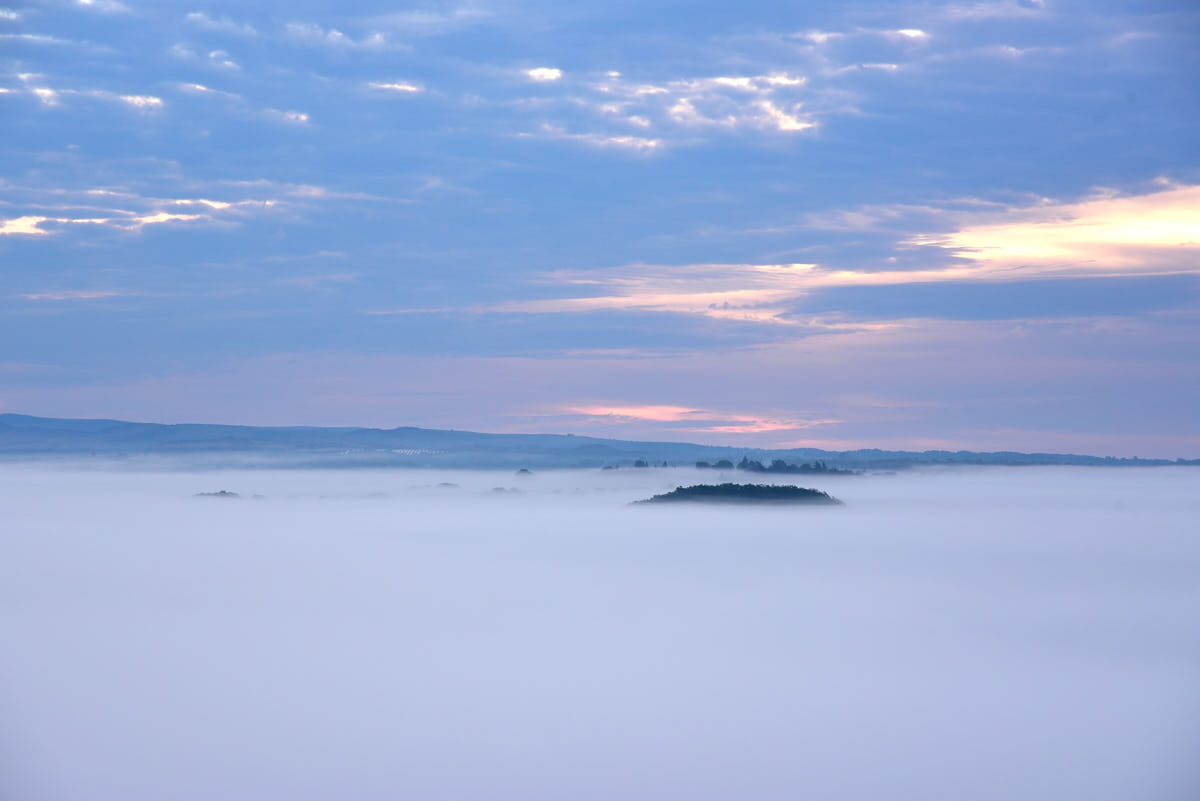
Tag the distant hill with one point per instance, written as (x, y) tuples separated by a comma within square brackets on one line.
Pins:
[(23, 437)]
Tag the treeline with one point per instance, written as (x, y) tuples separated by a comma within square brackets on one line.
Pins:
[(777, 466)]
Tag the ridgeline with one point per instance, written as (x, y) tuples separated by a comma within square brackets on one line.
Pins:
[(25, 438)]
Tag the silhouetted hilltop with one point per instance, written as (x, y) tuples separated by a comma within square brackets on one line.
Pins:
[(23, 437), (745, 493)]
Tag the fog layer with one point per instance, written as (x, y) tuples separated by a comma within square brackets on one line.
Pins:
[(1004, 633)]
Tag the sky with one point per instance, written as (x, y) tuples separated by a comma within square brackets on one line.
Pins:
[(870, 224)]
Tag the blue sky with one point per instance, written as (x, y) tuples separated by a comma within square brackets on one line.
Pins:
[(903, 225)]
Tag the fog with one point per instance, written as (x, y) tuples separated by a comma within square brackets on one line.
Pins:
[(1002, 633)]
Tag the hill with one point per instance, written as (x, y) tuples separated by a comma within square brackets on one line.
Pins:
[(24, 437)]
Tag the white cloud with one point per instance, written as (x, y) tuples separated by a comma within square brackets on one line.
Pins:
[(289, 117), (997, 9), (32, 225), (9, 15), (49, 97), (220, 58), (36, 38), (782, 120), (402, 87), (215, 58), (431, 22), (142, 101), (313, 34), (104, 6), (206, 91), (766, 102), (544, 74), (819, 37), (637, 144), (23, 226), (223, 24), (782, 79)]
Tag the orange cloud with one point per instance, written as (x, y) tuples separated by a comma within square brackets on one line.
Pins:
[(721, 422), (1148, 234), (660, 414), (1151, 234)]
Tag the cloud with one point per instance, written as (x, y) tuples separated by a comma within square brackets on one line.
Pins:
[(544, 74), (433, 21), (206, 91), (658, 414), (53, 97), (48, 96), (142, 101), (1150, 234), (313, 34), (81, 294), (103, 208), (104, 6), (223, 24), (400, 87), (913, 34), (23, 226), (764, 102), (693, 419), (783, 120), (288, 117), (219, 58), (215, 58), (32, 225), (998, 9), (638, 144), (819, 37), (1147, 234)]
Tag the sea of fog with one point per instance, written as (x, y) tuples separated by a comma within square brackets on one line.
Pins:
[(1016, 634)]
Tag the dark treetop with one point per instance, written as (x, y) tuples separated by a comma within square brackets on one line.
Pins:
[(745, 493)]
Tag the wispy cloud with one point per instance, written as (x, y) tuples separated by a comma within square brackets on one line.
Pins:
[(141, 101), (685, 418), (433, 21), (993, 9), (53, 96), (206, 91), (32, 225), (637, 144), (104, 6), (1150, 234), (218, 59), (221, 24), (289, 117), (399, 87), (313, 34), (76, 294)]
